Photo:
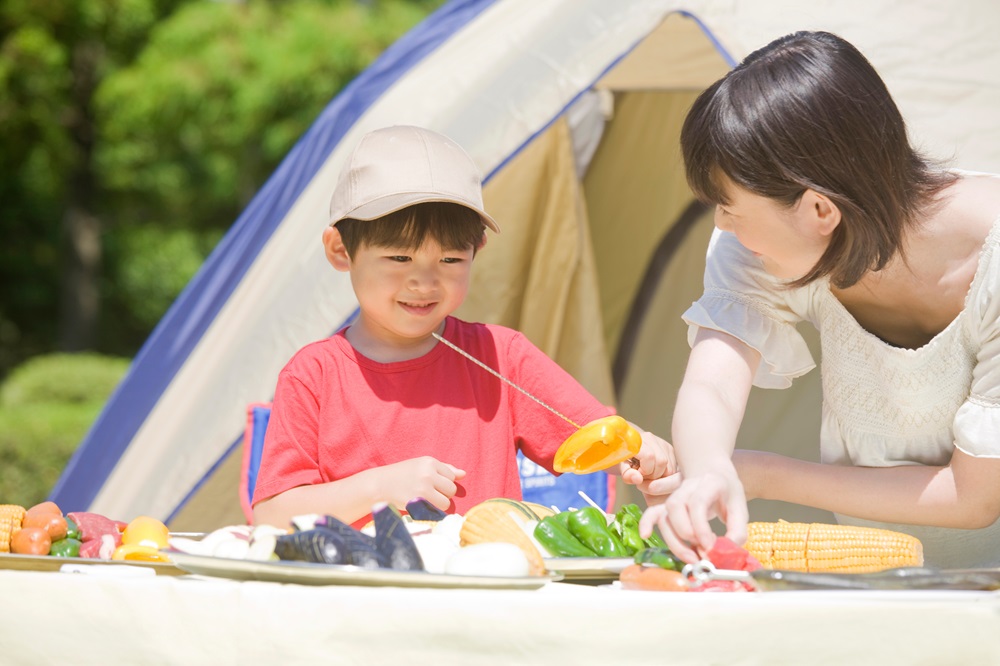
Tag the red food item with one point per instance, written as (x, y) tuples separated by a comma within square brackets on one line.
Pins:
[(30, 541), (726, 554), (93, 526), (93, 548), (53, 523)]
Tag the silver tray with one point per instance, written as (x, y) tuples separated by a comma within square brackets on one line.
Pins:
[(307, 573), (52, 563), (588, 569)]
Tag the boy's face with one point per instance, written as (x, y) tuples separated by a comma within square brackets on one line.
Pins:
[(405, 294)]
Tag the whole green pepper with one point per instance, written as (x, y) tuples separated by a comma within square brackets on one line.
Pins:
[(561, 517), (558, 540), (628, 529), (67, 547), (661, 557), (590, 526)]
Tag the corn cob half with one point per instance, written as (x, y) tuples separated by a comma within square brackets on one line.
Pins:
[(11, 516), (821, 547)]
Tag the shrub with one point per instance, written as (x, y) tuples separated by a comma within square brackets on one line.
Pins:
[(46, 407), (62, 378)]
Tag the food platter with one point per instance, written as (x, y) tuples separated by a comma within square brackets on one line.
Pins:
[(594, 570), (307, 573), (50, 563)]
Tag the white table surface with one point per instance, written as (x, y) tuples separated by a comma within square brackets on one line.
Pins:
[(53, 617)]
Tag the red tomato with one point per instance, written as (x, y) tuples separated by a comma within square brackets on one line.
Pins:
[(52, 523), (44, 508), (31, 541)]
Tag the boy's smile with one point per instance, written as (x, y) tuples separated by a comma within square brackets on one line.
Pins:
[(405, 295)]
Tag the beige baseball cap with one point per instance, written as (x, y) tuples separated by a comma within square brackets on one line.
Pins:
[(395, 167)]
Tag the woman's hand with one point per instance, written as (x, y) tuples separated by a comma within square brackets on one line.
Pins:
[(683, 518)]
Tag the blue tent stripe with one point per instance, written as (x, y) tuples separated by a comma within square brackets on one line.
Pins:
[(180, 330)]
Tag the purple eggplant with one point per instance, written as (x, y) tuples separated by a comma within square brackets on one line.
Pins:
[(393, 541), (360, 547), (317, 545), (421, 509), (326, 546)]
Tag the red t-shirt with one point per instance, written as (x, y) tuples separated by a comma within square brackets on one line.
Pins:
[(337, 413)]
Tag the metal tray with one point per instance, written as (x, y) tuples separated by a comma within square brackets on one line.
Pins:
[(306, 573)]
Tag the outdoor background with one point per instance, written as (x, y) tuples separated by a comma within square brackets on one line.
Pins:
[(132, 134)]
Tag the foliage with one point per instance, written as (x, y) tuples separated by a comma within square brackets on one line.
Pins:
[(46, 406), (53, 54), (160, 115)]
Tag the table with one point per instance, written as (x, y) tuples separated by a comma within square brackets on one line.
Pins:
[(52, 617)]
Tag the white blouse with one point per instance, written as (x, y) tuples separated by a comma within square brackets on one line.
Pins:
[(882, 405)]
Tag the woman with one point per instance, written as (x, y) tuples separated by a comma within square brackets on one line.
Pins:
[(825, 213)]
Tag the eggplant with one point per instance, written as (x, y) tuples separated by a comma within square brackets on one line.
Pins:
[(360, 547), (318, 545), (393, 542), (421, 509)]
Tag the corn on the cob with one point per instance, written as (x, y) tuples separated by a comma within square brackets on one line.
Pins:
[(11, 516), (820, 547)]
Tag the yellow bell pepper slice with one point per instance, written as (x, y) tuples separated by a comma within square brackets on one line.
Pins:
[(598, 445), (138, 553)]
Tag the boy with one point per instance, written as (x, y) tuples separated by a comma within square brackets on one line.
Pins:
[(380, 411)]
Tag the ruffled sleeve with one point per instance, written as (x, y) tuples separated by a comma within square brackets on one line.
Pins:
[(743, 300), (977, 422)]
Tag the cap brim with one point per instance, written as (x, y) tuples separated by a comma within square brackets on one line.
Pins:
[(400, 200)]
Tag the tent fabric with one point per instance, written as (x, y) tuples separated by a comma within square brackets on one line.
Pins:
[(570, 108)]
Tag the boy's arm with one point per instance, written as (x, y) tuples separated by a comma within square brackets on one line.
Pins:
[(352, 498)]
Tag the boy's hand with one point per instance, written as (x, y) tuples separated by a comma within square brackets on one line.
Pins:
[(425, 477), (657, 470)]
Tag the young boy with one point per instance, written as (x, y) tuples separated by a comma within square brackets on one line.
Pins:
[(380, 411)]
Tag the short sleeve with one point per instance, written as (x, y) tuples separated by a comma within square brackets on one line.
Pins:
[(743, 300), (977, 422)]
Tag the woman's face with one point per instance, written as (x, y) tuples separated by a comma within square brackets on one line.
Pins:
[(789, 241)]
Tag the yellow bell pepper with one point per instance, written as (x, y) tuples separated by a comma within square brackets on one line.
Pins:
[(598, 445)]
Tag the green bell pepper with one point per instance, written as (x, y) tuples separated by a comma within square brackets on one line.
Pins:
[(654, 540), (72, 529), (590, 526), (558, 540), (67, 547), (661, 557), (628, 530)]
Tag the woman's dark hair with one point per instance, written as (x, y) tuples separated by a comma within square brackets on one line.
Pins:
[(452, 225), (808, 111)]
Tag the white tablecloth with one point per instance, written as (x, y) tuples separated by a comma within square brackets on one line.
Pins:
[(50, 617)]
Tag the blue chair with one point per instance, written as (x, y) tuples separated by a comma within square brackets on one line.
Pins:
[(537, 484)]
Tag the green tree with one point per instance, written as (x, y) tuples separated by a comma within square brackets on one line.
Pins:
[(53, 56), (132, 133), (195, 126)]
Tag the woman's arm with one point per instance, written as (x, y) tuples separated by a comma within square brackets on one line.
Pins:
[(965, 493), (707, 416)]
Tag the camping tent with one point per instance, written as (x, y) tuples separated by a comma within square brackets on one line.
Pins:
[(571, 108)]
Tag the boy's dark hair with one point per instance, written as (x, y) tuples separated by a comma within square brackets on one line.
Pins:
[(452, 225), (808, 111)]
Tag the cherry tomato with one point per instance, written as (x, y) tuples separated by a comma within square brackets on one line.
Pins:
[(52, 523), (31, 541)]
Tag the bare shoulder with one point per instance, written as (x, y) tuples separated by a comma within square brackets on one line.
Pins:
[(972, 206)]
